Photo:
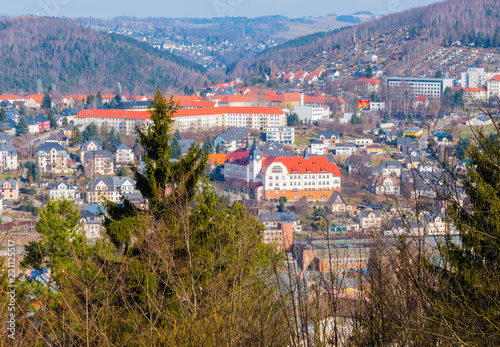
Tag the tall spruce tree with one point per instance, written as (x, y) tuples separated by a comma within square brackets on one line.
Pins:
[(466, 297), (22, 126)]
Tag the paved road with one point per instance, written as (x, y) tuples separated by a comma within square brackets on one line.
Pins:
[(440, 125)]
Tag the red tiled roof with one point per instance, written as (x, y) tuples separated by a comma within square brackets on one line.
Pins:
[(318, 72), (9, 97), (37, 97), (495, 78), (421, 98), (299, 165), (369, 80), (113, 114), (468, 89), (219, 158), (183, 112)]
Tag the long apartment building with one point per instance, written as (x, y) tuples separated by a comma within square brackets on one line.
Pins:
[(428, 87), (192, 119)]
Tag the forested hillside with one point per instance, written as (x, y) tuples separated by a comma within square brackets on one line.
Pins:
[(82, 60), (449, 20)]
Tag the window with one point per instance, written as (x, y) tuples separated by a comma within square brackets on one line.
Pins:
[(277, 169)]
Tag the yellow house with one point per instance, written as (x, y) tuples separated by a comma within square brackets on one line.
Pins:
[(417, 132), (374, 149)]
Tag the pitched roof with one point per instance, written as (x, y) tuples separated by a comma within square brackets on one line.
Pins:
[(85, 145), (183, 112), (234, 134), (98, 153), (37, 97), (122, 146), (495, 78), (301, 165), (48, 146), (369, 80), (112, 183), (218, 158), (336, 195)]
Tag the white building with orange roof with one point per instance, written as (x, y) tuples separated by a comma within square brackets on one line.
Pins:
[(187, 119), (493, 85), (314, 178), (34, 101)]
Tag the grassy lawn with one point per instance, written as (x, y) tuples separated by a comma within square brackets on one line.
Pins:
[(468, 131), (300, 140)]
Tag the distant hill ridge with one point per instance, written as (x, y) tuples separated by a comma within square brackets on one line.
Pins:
[(445, 20), (80, 60)]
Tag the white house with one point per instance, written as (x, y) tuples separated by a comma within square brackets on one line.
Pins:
[(62, 190), (124, 154)]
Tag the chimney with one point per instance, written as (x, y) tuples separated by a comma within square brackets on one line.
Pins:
[(301, 99)]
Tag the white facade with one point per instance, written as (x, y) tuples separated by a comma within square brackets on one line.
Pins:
[(285, 135), (124, 154), (309, 114), (428, 87), (474, 78), (316, 147), (8, 157), (345, 149), (62, 190), (110, 188), (363, 143)]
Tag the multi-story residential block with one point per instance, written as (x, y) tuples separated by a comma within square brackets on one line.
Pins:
[(99, 162), (88, 146), (493, 86), (52, 157), (109, 188), (428, 87), (285, 135), (193, 119), (314, 178), (62, 190), (9, 189), (124, 154), (43, 123), (231, 139), (474, 78), (8, 157)]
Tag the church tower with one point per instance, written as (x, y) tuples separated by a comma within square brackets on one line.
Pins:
[(255, 158)]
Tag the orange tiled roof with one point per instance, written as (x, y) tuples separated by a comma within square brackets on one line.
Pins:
[(9, 97), (143, 114), (300, 165), (495, 78), (421, 98), (219, 158), (369, 80), (37, 97), (183, 112)]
